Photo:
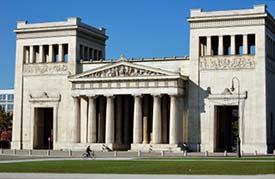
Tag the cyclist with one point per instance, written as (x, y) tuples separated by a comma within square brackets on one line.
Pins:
[(88, 151)]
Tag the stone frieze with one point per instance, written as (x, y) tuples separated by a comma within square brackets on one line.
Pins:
[(227, 63), (42, 69)]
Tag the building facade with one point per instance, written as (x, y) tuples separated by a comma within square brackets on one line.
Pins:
[(6, 99), (66, 91)]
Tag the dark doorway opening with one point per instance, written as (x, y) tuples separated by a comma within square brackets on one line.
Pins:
[(43, 128), (226, 128)]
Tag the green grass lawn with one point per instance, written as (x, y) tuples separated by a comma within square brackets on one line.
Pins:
[(211, 158), (143, 167)]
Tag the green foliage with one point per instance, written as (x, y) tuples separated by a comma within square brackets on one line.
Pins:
[(5, 119)]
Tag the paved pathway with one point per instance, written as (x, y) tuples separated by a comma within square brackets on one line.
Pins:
[(122, 176)]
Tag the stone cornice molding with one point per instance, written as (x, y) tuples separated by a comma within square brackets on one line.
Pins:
[(214, 23), (241, 96), (44, 98)]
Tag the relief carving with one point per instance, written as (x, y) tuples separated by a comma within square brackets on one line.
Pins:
[(41, 69), (226, 63), (122, 71)]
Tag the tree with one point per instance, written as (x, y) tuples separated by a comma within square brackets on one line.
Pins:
[(5, 119)]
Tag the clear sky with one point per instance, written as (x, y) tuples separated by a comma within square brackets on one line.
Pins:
[(136, 28)]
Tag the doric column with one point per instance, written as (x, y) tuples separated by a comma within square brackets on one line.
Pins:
[(92, 120), (208, 46), (126, 120), (50, 59), (137, 135), (220, 45), (31, 54), (76, 121), (245, 44), (88, 53), (156, 139), (84, 119), (173, 132), (60, 53), (233, 45), (119, 120), (145, 120), (109, 138), (41, 54)]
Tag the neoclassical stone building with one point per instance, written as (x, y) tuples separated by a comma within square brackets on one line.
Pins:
[(67, 91)]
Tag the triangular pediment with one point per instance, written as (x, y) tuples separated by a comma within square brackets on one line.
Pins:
[(124, 69)]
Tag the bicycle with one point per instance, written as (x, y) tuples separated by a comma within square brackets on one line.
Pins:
[(85, 155)]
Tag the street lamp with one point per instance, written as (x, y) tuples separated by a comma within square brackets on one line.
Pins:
[(238, 138)]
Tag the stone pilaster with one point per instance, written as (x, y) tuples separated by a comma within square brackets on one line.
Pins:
[(245, 44), (233, 45), (31, 54), (208, 46), (156, 139), (60, 53), (76, 121), (92, 120), (109, 138), (41, 54), (173, 132), (220, 45), (137, 131), (50, 59)]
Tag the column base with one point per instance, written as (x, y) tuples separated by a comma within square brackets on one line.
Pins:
[(15, 145), (156, 147)]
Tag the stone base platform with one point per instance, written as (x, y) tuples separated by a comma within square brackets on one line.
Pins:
[(157, 147)]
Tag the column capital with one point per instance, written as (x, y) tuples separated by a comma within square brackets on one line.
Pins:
[(110, 96), (138, 96), (75, 96), (157, 95), (92, 96)]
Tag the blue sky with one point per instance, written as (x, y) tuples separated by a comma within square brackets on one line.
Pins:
[(136, 28)]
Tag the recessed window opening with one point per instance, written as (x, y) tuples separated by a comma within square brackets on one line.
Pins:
[(251, 44), (226, 45), (86, 50), (36, 53), (65, 51), (95, 54), (45, 55), (202, 42), (214, 45), (239, 44), (55, 53)]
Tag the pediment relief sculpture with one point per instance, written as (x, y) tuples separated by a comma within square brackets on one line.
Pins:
[(122, 71)]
